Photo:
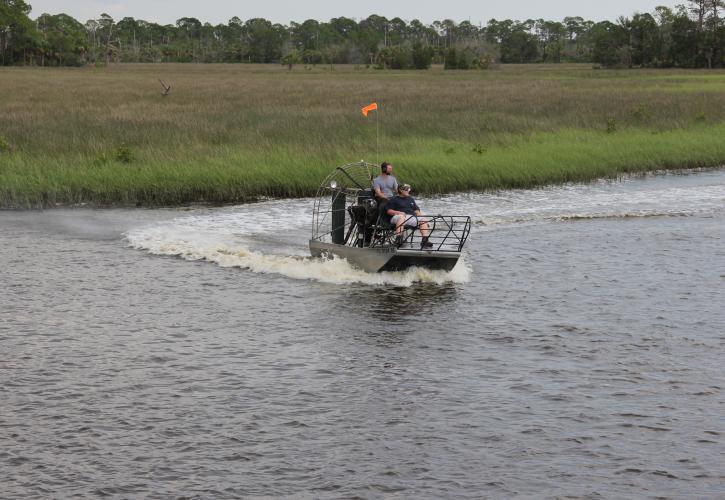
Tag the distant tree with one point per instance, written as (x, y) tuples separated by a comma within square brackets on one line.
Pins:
[(129, 32), (610, 44), (519, 46), (372, 33), (106, 32), (422, 56), (332, 55), (312, 57), (291, 58), (305, 36), (399, 57), (497, 31), (690, 35), (264, 40), (397, 31), (92, 28), (715, 35), (465, 59), (644, 39), (574, 27), (343, 28), (552, 37), (447, 31), (188, 43), (64, 40), (418, 31), (716, 25), (467, 32), (18, 36), (664, 16), (189, 27), (451, 61), (713, 17), (698, 10), (685, 50)]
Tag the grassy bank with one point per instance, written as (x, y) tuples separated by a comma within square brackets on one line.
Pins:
[(232, 133)]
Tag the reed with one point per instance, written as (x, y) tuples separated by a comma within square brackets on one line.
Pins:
[(230, 133)]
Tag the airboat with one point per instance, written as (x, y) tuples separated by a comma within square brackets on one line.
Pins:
[(348, 223)]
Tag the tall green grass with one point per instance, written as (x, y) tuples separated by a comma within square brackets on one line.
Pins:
[(431, 165), (236, 133)]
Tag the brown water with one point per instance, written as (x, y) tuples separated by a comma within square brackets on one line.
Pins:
[(198, 353)]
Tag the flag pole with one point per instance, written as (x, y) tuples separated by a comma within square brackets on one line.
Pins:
[(377, 133), (365, 111)]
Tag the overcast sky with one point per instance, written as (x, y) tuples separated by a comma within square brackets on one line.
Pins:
[(281, 11)]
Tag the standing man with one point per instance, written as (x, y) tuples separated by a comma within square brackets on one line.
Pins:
[(385, 185), (404, 212)]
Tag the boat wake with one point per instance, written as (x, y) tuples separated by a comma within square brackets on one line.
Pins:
[(697, 195), (271, 237), (585, 216), (185, 239)]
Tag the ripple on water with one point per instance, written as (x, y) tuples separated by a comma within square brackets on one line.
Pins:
[(576, 354)]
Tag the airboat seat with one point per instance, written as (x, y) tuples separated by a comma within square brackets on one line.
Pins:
[(383, 222), (387, 225), (381, 206)]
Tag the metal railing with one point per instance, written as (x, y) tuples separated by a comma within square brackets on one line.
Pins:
[(447, 233)]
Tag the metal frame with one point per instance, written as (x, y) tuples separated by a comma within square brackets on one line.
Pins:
[(349, 179), (352, 181)]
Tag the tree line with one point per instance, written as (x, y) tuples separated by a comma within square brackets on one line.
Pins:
[(688, 36)]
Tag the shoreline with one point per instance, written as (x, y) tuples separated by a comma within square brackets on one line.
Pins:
[(202, 204)]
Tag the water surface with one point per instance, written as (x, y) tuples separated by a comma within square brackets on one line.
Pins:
[(199, 353)]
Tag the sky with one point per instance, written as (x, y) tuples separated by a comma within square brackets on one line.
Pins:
[(220, 11)]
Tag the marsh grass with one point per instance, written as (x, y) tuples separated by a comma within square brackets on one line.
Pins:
[(237, 132)]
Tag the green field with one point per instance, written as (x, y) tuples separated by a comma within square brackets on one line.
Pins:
[(230, 133)]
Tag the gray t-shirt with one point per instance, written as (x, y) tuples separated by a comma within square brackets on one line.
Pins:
[(388, 185)]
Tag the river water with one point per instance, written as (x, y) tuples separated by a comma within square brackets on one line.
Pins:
[(578, 351)]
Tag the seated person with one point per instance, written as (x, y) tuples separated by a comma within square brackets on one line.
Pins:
[(404, 212)]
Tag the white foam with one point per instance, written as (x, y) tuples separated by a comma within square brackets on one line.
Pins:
[(182, 238)]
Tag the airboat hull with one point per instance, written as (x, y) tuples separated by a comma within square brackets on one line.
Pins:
[(387, 258)]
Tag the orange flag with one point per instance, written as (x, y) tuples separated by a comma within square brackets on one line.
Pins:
[(367, 109)]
